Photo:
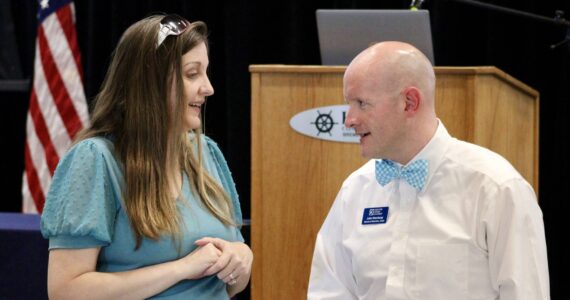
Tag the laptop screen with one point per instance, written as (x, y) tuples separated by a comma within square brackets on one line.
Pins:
[(345, 33)]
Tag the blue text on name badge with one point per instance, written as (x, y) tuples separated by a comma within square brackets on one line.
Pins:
[(375, 215)]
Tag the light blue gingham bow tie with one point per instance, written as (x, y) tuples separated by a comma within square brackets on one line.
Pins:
[(415, 174)]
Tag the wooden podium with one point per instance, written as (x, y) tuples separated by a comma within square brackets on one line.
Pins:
[(295, 178)]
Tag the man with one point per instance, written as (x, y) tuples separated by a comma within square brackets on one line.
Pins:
[(431, 217)]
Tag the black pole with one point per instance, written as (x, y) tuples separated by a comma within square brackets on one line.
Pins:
[(558, 20)]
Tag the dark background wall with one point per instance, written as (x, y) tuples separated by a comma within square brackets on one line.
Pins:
[(266, 32)]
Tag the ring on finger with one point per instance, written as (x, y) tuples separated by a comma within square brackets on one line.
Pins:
[(232, 282), (232, 276)]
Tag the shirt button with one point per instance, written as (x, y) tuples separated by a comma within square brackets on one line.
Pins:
[(398, 271), (401, 236)]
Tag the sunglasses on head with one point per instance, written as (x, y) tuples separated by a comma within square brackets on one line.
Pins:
[(171, 25)]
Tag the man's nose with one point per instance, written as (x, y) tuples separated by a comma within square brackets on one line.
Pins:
[(349, 121)]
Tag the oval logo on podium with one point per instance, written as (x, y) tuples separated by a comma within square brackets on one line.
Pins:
[(325, 123)]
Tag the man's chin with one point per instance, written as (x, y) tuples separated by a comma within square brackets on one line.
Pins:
[(365, 153)]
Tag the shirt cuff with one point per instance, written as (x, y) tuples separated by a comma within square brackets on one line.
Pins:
[(74, 242)]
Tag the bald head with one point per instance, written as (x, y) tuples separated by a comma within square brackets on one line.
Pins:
[(390, 89), (393, 66)]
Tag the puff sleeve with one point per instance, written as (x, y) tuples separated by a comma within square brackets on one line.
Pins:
[(82, 202)]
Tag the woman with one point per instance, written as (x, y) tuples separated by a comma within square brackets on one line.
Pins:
[(143, 204)]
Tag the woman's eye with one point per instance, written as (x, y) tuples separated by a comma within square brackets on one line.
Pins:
[(192, 75)]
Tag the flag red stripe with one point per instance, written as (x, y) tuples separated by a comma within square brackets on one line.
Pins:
[(54, 117), (58, 90), (66, 20), (42, 133), (33, 181)]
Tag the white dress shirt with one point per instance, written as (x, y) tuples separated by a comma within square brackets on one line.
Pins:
[(474, 231)]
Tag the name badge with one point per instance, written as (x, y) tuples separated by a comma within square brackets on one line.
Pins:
[(375, 215)]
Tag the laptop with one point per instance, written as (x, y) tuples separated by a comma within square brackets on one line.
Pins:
[(345, 33)]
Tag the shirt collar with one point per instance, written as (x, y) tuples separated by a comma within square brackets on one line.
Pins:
[(434, 150)]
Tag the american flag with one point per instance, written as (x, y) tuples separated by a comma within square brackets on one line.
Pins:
[(57, 109)]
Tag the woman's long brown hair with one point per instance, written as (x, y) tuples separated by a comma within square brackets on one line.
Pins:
[(133, 108)]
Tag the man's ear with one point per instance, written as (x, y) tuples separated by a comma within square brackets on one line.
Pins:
[(413, 100)]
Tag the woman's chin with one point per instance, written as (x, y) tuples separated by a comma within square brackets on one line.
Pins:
[(194, 123)]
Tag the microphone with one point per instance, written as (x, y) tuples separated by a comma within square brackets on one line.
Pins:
[(416, 4), (560, 18)]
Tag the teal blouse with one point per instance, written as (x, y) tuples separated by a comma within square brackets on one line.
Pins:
[(84, 210)]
